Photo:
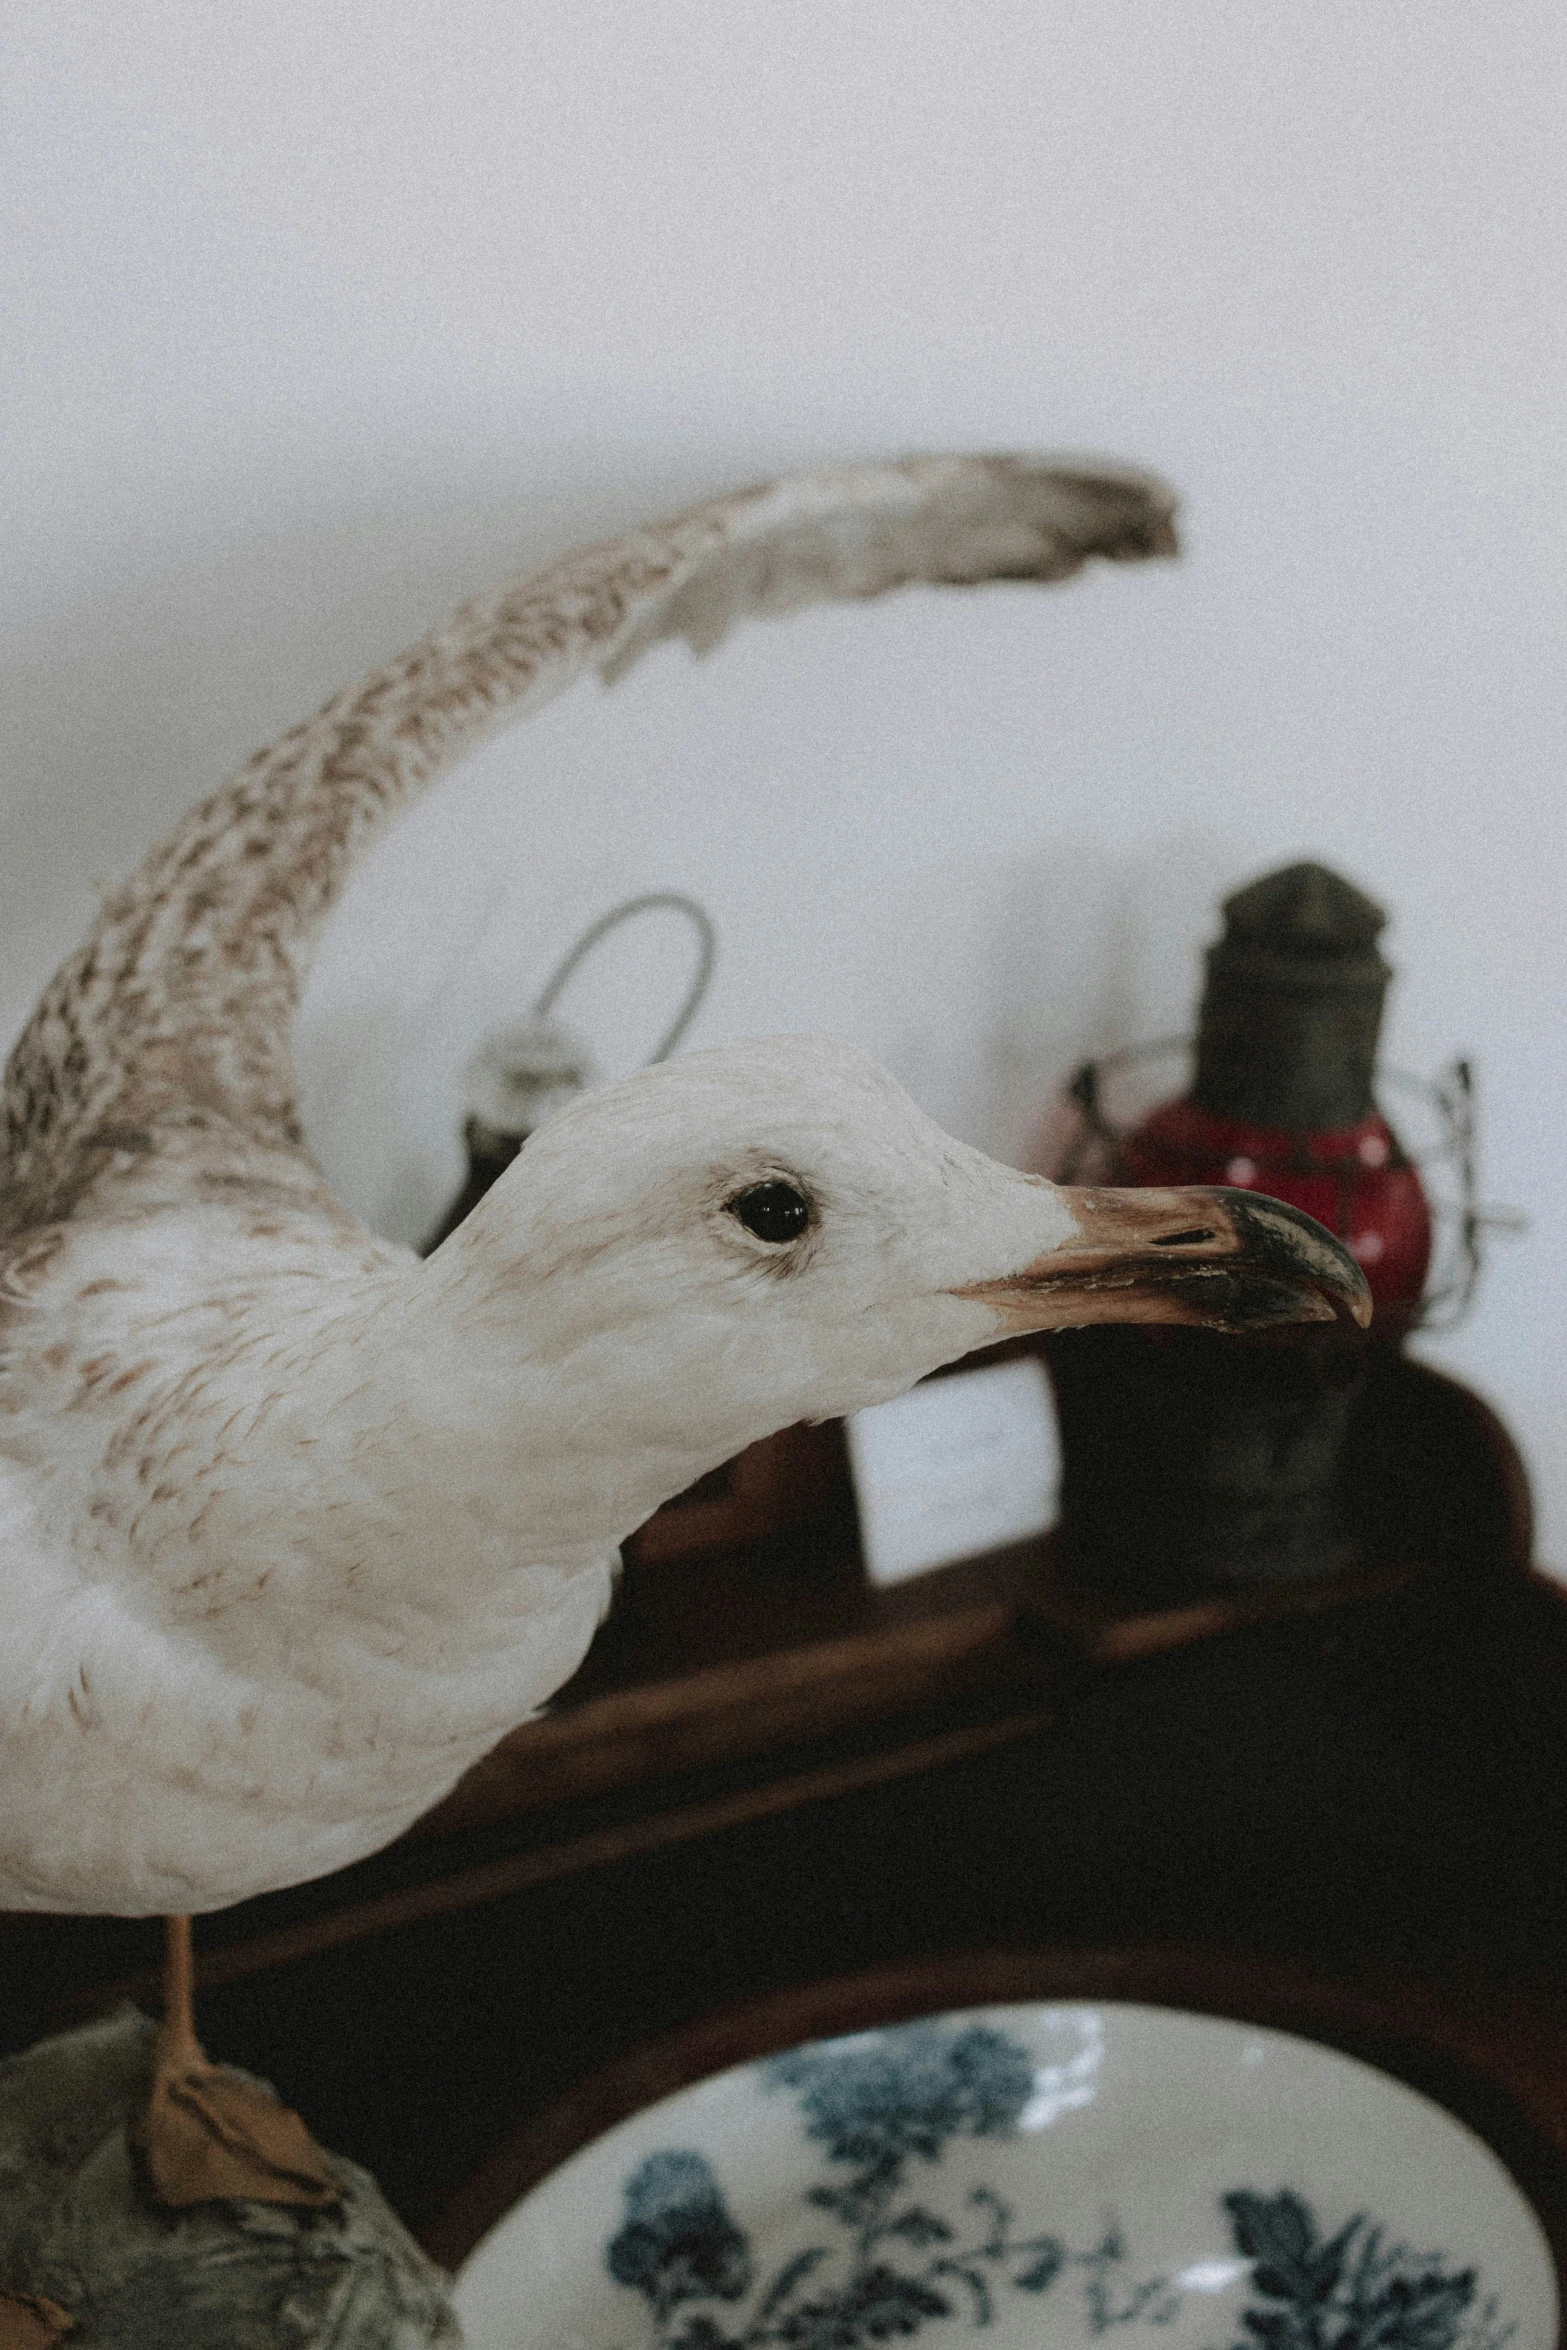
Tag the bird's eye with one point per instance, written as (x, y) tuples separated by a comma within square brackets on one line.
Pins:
[(773, 1211)]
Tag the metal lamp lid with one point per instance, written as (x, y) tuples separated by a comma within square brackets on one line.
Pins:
[(1292, 1010), (1302, 927)]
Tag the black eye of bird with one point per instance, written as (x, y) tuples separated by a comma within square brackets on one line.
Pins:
[(773, 1211)]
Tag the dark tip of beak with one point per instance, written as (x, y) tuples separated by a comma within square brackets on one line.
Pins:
[(1211, 1259), (1286, 1243)]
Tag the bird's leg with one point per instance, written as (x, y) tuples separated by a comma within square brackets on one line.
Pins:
[(205, 2133), (177, 2041)]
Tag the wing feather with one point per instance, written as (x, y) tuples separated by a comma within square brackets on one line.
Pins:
[(174, 1017)]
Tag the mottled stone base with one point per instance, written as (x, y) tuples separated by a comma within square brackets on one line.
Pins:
[(77, 2230)]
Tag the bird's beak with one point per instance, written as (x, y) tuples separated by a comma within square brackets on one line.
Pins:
[(1217, 1260)]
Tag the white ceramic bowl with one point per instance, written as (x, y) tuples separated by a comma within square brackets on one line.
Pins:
[(1034, 2177)]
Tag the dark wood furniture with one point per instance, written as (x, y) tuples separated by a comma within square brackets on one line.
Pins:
[(768, 1775)]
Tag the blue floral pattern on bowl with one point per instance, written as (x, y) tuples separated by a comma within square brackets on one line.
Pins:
[(1037, 2177), (898, 2264)]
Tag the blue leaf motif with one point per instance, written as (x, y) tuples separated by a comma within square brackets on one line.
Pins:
[(877, 2305), (1345, 2292), (1042, 2270), (1279, 2228), (917, 2226)]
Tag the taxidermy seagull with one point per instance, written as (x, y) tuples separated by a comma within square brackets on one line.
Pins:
[(293, 1526)]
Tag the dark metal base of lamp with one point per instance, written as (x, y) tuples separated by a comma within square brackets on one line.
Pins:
[(1195, 1464)]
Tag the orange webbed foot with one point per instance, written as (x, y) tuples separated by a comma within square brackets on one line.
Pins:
[(206, 2134)]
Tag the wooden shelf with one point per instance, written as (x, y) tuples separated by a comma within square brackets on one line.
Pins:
[(717, 1659)]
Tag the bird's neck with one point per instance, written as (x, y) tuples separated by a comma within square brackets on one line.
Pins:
[(488, 1441)]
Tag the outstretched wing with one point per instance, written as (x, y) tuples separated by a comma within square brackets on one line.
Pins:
[(174, 1018)]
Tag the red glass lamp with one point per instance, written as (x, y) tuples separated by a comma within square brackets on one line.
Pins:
[(1281, 1099), (1193, 1463)]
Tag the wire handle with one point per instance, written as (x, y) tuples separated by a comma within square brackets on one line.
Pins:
[(669, 900)]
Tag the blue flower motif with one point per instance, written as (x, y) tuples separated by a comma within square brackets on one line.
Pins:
[(876, 2102), (678, 2242)]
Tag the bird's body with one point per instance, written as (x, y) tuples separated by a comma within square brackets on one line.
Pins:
[(213, 1680), (292, 1526), (296, 1527)]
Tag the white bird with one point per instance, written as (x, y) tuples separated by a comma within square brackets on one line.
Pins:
[(293, 1527)]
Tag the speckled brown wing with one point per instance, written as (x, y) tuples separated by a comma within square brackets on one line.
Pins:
[(169, 1031)]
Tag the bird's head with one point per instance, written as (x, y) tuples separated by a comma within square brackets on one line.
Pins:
[(773, 1231)]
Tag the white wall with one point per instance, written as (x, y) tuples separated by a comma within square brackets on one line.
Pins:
[(323, 317)]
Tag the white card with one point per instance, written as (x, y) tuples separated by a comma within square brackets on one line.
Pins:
[(957, 1466)]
